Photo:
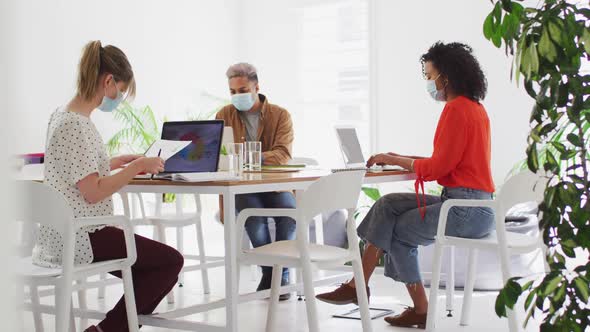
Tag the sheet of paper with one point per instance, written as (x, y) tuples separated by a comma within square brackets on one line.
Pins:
[(169, 148)]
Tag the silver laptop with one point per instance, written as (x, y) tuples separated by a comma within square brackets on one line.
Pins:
[(352, 152)]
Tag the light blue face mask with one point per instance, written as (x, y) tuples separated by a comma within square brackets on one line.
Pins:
[(243, 101), (109, 104), (438, 95)]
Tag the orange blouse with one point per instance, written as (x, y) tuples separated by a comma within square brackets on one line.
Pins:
[(462, 148)]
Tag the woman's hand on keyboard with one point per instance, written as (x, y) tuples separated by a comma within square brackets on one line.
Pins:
[(381, 159)]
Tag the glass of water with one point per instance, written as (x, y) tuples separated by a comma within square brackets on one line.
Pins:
[(253, 156), (235, 157)]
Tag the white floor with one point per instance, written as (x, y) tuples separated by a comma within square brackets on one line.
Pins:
[(252, 315), (293, 317)]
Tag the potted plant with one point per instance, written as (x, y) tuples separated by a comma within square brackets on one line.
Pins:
[(548, 44)]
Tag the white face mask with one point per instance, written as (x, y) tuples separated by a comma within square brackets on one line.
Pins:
[(109, 104), (438, 95), (243, 101)]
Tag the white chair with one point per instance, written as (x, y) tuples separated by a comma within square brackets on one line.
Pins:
[(44, 205), (523, 187), (178, 221), (336, 191), (319, 226)]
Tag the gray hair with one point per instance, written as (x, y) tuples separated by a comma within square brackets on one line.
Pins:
[(242, 69)]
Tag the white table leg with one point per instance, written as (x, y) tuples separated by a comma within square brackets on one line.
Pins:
[(180, 235), (231, 267)]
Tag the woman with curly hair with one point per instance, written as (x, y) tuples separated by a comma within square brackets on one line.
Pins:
[(400, 222)]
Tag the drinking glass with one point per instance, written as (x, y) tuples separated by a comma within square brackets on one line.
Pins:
[(235, 157), (253, 156)]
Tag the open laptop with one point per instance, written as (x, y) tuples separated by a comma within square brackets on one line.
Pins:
[(202, 154), (352, 152)]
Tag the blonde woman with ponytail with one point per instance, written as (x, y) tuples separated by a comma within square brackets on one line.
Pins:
[(77, 164)]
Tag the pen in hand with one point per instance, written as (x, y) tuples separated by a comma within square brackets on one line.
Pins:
[(159, 152)]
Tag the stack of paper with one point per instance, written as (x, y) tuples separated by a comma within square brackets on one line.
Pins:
[(198, 177)]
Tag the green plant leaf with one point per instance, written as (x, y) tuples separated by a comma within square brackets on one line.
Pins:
[(562, 95), (552, 285), (533, 158), (581, 286), (559, 147), (585, 40), (488, 26), (569, 252), (223, 151), (497, 38), (529, 300), (527, 285), (530, 61), (500, 305), (497, 12), (510, 26), (555, 31), (512, 292), (534, 59), (574, 139), (372, 193), (560, 293), (546, 47), (551, 163), (570, 243)]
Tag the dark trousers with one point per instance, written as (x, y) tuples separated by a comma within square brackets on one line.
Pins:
[(257, 227), (154, 273)]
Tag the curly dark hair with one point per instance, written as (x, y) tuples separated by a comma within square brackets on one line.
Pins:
[(455, 62)]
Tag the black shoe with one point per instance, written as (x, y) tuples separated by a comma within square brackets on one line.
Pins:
[(265, 283), (286, 296)]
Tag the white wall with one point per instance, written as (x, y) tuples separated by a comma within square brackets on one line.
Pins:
[(406, 115), (268, 39), (178, 49), (8, 201), (181, 49), (274, 37)]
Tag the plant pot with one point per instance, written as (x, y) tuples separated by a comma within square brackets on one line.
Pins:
[(223, 163)]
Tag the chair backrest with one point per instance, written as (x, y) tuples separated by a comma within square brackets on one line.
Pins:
[(304, 161), (31, 172), (42, 204), (333, 192), (520, 188)]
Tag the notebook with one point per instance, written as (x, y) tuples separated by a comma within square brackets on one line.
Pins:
[(197, 177)]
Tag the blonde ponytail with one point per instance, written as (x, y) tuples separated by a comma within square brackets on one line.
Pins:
[(97, 60), (89, 69)]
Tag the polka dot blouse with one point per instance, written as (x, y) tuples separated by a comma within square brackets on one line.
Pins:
[(74, 150)]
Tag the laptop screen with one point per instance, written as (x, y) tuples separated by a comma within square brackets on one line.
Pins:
[(202, 154), (351, 148)]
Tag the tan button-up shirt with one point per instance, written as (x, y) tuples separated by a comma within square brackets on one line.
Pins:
[(275, 130)]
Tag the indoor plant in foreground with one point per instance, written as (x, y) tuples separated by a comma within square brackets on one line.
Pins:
[(549, 43)]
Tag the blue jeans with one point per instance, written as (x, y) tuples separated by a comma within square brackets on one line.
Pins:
[(394, 224), (257, 227)]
